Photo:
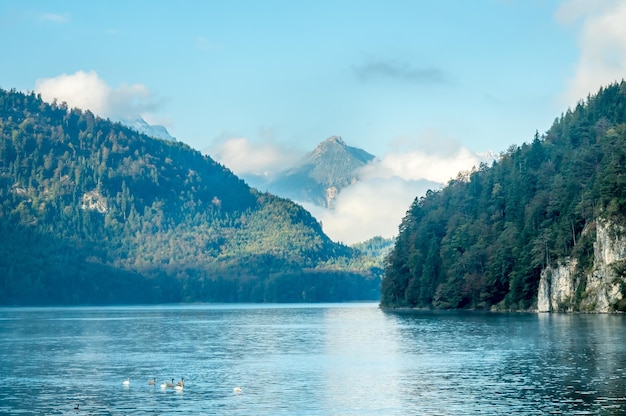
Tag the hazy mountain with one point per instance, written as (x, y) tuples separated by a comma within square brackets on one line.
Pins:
[(321, 174), (140, 125), (94, 212)]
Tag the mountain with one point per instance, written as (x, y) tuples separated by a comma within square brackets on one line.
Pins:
[(543, 229), (321, 174), (140, 125), (93, 212)]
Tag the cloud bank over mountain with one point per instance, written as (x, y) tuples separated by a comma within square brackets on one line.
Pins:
[(376, 204), (245, 157), (87, 91)]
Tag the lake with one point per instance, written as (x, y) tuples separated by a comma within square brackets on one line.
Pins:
[(309, 359)]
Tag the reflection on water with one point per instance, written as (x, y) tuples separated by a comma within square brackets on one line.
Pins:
[(515, 363), (309, 359), (583, 367)]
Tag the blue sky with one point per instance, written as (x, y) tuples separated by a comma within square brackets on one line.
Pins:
[(257, 83)]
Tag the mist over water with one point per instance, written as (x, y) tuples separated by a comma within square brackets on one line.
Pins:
[(339, 359)]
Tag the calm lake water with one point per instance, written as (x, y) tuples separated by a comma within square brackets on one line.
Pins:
[(329, 359)]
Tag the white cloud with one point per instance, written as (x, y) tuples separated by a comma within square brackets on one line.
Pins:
[(418, 165), (86, 90), (245, 157), (376, 204), (602, 43), (369, 208), (572, 10)]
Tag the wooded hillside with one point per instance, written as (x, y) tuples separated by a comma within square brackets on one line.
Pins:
[(94, 212), (483, 240)]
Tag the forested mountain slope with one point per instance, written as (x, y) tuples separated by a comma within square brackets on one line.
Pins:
[(94, 212), (484, 240)]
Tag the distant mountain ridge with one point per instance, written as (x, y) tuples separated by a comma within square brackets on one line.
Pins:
[(142, 126), (321, 173)]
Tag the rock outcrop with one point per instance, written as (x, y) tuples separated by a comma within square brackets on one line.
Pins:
[(557, 287), (565, 288)]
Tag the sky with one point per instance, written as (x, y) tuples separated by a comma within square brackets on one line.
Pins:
[(427, 86)]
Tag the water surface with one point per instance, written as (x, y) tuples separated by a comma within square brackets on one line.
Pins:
[(329, 359)]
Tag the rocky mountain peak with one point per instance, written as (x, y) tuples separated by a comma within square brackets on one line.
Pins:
[(322, 173), (334, 153), (332, 140)]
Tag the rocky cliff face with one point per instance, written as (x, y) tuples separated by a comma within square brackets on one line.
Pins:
[(557, 288), (565, 288)]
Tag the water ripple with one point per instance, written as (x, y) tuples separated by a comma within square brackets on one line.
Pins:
[(309, 360)]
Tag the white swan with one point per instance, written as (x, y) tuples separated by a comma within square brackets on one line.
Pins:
[(181, 384), (237, 390), (163, 385), (126, 382)]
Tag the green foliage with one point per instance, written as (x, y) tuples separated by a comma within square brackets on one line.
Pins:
[(483, 240), (94, 212), (373, 253), (375, 247)]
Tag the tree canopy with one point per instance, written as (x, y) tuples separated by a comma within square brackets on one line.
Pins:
[(483, 240), (94, 212)]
